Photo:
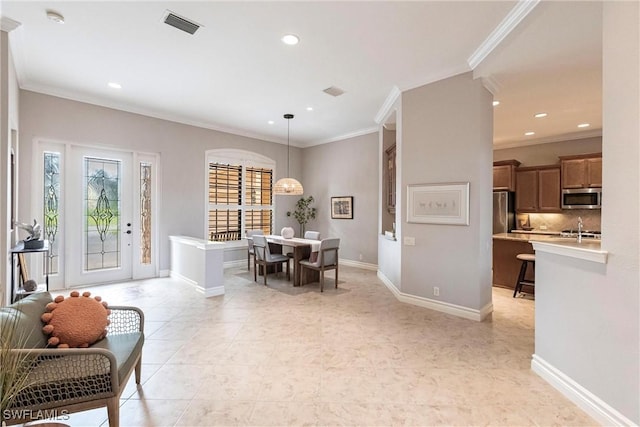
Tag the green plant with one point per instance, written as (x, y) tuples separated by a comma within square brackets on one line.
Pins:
[(304, 212), (15, 365)]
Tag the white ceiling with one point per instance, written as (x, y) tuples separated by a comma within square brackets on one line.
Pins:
[(235, 74)]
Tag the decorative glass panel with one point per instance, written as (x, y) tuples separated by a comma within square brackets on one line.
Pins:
[(52, 207), (145, 213), (102, 214)]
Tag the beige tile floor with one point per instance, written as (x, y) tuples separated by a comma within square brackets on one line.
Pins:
[(355, 356)]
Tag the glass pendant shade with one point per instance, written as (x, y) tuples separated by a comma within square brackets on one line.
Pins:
[(288, 186)]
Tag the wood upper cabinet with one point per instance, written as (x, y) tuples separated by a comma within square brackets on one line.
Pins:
[(504, 175), (583, 171), (538, 189), (549, 192)]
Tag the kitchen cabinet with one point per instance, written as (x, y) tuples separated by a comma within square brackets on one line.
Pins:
[(582, 171), (538, 189), (504, 175)]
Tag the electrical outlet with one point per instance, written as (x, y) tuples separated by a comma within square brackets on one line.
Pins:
[(543, 227), (360, 257), (436, 291)]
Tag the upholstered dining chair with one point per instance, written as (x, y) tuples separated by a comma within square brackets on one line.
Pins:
[(327, 260), (264, 257), (250, 252), (313, 235)]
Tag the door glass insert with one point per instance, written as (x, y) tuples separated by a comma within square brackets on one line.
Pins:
[(102, 214), (52, 207), (145, 213)]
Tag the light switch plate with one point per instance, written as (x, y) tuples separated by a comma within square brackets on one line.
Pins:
[(410, 241)]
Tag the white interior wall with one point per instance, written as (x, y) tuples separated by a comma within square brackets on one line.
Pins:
[(547, 154), (182, 154), (588, 315), (447, 135), (345, 168)]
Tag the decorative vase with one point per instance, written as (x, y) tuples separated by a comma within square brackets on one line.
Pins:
[(287, 232)]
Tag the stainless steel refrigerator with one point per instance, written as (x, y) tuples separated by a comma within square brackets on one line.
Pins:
[(504, 216)]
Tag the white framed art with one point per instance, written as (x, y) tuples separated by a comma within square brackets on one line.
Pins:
[(446, 203)]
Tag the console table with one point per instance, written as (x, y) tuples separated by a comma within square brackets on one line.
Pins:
[(19, 251)]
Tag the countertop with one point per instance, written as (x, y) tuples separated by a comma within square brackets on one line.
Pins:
[(589, 249)]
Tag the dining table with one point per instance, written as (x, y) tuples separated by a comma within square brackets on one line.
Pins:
[(302, 249)]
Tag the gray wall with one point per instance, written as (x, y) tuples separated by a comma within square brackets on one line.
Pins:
[(182, 154), (8, 123), (447, 137), (346, 168), (547, 154), (588, 315)]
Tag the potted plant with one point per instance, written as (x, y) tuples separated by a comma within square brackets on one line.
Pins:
[(304, 212)]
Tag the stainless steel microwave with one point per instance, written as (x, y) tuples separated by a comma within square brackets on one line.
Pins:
[(582, 198)]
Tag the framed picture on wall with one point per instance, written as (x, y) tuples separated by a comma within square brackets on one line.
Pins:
[(438, 203), (342, 207)]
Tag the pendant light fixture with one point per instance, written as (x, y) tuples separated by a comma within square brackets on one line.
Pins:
[(288, 186)]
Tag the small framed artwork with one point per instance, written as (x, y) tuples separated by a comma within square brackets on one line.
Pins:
[(438, 203), (342, 207)]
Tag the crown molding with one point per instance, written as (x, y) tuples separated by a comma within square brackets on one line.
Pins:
[(491, 84), (342, 137), (8, 24), (547, 140), (101, 102), (388, 104), (511, 21)]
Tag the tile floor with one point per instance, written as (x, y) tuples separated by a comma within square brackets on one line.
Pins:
[(355, 356)]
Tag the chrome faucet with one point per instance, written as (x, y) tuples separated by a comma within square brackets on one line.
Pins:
[(579, 229)]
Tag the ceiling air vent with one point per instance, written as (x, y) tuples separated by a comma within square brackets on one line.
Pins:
[(333, 91), (180, 23)]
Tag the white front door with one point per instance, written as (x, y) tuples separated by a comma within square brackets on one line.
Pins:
[(99, 223)]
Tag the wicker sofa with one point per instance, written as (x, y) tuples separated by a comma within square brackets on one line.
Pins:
[(63, 381)]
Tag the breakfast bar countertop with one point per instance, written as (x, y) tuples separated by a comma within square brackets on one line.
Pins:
[(588, 249)]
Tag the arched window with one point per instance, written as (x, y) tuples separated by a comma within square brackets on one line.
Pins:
[(239, 194)]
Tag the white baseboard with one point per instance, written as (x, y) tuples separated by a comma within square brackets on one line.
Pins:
[(210, 292), (587, 401), (175, 275), (359, 264), (234, 264), (444, 307)]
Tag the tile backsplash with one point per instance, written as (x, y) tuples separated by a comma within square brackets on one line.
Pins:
[(567, 220)]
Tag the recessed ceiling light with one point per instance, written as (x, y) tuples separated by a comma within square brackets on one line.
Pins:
[(496, 103), (540, 115), (584, 125), (290, 39), (529, 133), (271, 122), (55, 17), (309, 108), (115, 85)]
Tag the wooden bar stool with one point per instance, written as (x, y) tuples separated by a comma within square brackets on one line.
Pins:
[(526, 259)]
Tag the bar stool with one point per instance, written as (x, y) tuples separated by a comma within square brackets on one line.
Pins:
[(526, 259)]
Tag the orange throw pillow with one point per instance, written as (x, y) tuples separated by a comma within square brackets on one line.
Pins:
[(76, 321)]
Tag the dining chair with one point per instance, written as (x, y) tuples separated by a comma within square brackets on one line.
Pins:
[(327, 260), (250, 251), (264, 257), (312, 235)]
